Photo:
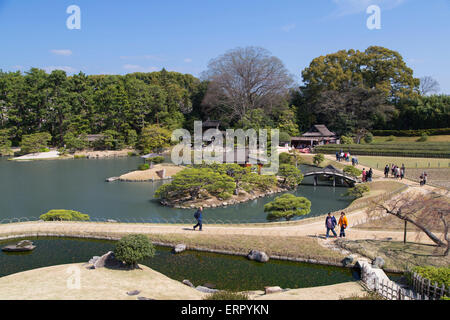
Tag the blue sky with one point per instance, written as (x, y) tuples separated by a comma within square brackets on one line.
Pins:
[(118, 37)]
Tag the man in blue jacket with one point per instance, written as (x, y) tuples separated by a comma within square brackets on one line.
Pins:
[(198, 215), (330, 223)]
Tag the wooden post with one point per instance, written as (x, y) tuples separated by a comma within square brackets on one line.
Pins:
[(334, 181), (404, 233)]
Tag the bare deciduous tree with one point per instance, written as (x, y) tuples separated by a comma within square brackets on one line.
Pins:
[(428, 212), (428, 85), (244, 79)]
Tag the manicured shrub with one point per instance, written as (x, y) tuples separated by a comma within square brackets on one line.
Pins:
[(318, 159), (292, 176), (286, 207), (391, 138), (346, 140), (156, 160), (357, 191), (133, 248), (144, 166), (368, 138), (284, 138), (286, 158), (352, 170), (74, 142), (64, 215), (35, 142), (423, 138)]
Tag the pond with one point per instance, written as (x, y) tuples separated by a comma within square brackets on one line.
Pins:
[(225, 271), (29, 189)]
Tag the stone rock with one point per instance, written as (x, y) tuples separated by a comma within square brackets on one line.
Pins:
[(111, 220), (21, 246), (107, 260), (378, 262), (209, 285), (206, 290), (269, 290), (144, 298), (133, 293), (348, 260), (112, 179), (93, 259), (24, 243), (259, 256), (179, 248), (188, 283)]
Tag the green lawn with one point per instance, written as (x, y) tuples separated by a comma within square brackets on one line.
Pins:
[(384, 139), (412, 163)]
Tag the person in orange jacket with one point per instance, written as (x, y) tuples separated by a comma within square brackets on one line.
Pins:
[(343, 222)]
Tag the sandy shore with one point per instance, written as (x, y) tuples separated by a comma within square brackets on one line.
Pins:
[(150, 174), (104, 153), (58, 283), (39, 156)]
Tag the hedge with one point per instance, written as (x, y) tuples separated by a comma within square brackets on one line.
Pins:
[(434, 274), (426, 150), (411, 133), (64, 215)]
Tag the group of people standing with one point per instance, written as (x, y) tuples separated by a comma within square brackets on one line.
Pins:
[(341, 155), (330, 224), (396, 171), (367, 175)]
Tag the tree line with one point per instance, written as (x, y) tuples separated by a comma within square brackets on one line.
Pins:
[(350, 91)]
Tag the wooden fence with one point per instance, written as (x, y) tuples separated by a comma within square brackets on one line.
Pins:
[(421, 288), (424, 287)]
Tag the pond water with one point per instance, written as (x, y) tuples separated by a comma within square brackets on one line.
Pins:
[(29, 189), (225, 271)]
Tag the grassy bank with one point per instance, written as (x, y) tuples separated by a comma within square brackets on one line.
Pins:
[(378, 162), (397, 255), (294, 247), (414, 149)]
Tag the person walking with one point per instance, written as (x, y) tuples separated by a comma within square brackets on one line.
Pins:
[(402, 171), (369, 175), (386, 171), (343, 223), (198, 215), (425, 178), (364, 173), (330, 224)]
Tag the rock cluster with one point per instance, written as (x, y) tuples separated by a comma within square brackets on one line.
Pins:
[(179, 248), (21, 246), (107, 260), (378, 262), (259, 256)]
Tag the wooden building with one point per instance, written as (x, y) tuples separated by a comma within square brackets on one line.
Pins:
[(318, 134)]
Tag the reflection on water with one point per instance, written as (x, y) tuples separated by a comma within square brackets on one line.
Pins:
[(225, 271), (29, 189)]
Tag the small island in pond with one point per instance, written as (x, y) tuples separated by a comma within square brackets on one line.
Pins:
[(215, 185)]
